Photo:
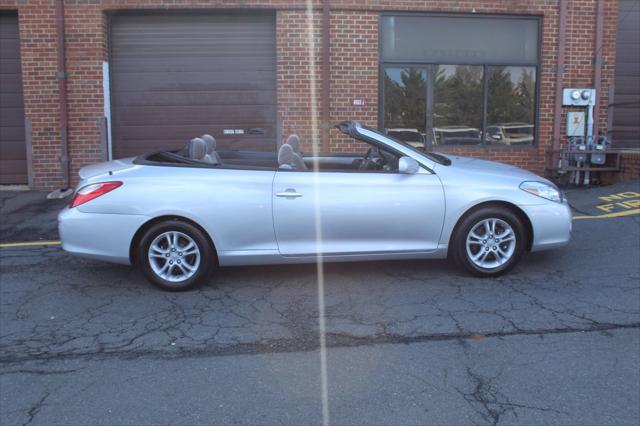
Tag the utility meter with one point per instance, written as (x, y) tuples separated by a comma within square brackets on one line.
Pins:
[(578, 97), (599, 157)]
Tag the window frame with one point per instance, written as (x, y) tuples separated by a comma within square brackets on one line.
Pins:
[(428, 66)]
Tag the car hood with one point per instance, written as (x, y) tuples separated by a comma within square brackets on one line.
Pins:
[(485, 167), (99, 169)]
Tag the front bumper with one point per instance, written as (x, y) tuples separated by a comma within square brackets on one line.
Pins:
[(97, 235), (551, 223)]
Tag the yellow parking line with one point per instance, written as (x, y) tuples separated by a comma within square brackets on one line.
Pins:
[(31, 244), (609, 215)]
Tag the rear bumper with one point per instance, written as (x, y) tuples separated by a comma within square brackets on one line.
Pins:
[(97, 235), (551, 223)]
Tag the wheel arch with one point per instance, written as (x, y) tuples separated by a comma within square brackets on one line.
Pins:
[(148, 224), (504, 204)]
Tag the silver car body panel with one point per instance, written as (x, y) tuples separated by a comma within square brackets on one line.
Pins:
[(389, 212), (233, 206), (102, 236), (254, 217)]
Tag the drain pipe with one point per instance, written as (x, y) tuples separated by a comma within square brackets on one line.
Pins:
[(597, 76), (61, 75), (597, 69), (562, 31), (326, 74)]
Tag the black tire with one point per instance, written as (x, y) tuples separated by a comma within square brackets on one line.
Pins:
[(205, 262), (459, 252)]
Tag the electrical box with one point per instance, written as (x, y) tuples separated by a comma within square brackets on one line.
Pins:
[(578, 97), (575, 123), (582, 149)]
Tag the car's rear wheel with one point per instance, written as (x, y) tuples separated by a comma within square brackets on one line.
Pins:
[(175, 255), (489, 241)]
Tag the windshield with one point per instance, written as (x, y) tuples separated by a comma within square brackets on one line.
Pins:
[(440, 159)]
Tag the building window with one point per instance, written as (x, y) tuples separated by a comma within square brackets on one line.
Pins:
[(459, 80), (405, 114), (510, 105), (457, 104)]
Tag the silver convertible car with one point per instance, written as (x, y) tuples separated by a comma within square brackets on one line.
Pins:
[(180, 214)]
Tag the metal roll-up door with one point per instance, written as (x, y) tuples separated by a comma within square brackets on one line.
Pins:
[(177, 76), (626, 100), (13, 152)]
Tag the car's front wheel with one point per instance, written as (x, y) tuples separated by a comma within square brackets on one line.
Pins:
[(489, 241), (175, 255)]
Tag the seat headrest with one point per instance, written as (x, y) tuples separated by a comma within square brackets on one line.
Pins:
[(210, 141), (197, 149), (294, 141), (285, 155)]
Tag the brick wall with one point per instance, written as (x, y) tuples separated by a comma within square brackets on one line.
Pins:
[(354, 72), (86, 45), (299, 68), (354, 66), (629, 168), (40, 88)]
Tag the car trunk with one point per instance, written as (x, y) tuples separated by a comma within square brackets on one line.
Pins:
[(105, 168)]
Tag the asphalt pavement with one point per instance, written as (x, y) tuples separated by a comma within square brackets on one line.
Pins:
[(557, 341)]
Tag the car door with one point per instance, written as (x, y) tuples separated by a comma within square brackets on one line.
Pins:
[(333, 212)]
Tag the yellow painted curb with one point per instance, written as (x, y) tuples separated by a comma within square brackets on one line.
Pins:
[(31, 244), (609, 215)]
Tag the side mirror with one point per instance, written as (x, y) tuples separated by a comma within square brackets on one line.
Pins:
[(408, 165)]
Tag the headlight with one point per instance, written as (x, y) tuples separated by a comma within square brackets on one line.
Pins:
[(541, 189)]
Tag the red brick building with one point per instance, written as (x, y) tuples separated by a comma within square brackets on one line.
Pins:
[(465, 76)]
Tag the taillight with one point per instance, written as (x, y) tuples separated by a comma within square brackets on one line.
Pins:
[(94, 190)]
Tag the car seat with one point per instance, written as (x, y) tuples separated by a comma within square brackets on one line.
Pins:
[(294, 142), (211, 147), (197, 150)]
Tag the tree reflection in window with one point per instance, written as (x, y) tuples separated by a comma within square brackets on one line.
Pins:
[(445, 104), (405, 104), (510, 105), (457, 105)]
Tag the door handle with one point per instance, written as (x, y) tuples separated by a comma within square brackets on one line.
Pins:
[(289, 193)]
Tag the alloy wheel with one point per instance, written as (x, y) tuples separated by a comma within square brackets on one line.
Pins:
[(174, 256), (490, 243)]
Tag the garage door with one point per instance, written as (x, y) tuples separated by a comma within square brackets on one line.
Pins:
[(13, 153), (626, 107), (175, 77)]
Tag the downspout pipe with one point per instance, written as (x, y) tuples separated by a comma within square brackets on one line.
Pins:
[(326, 74), (61, 75), (560, 65), (597, 66)]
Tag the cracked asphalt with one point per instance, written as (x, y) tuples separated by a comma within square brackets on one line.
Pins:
[(557, 341)]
